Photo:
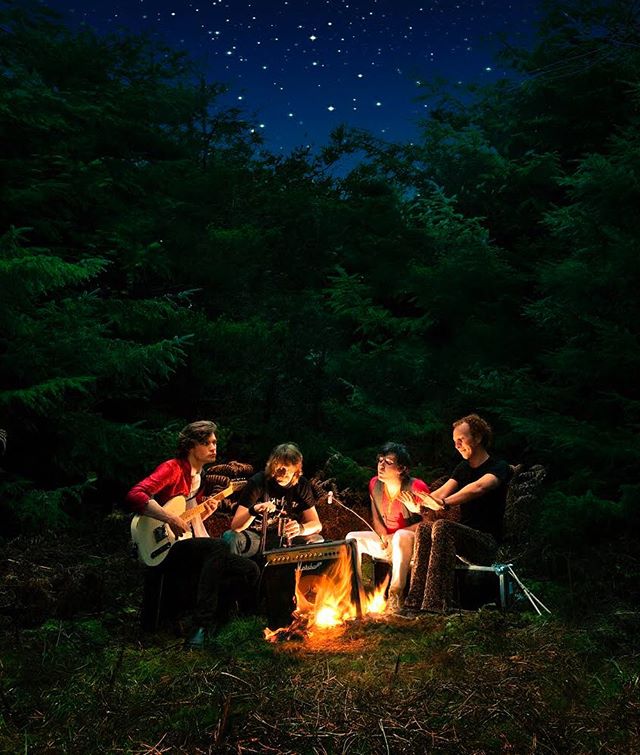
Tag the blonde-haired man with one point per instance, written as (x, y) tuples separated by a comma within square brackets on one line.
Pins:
[(281, 490), (477, 491)]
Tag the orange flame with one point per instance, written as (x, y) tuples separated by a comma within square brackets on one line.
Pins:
[(326, 601), (376, 602)]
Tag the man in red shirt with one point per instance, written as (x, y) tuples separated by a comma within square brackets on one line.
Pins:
[(392, 494), (199, 564)]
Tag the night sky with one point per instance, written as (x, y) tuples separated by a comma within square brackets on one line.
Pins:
[(302, 67)]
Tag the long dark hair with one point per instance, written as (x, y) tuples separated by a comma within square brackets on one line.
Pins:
[(193, 434), (401, 452)]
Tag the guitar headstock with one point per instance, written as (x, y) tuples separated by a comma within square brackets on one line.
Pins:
[(232, 487)]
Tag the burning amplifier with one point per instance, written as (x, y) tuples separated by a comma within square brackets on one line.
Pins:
[(312, 562)]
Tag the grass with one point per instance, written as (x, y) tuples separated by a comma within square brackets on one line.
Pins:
[(76, 679)]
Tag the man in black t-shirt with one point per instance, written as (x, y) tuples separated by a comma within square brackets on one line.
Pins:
[(279, 493), (477, 490)]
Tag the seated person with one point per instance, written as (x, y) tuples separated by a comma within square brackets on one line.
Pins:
[(197, 564), (392, 492), (478, 486), (280, 491)]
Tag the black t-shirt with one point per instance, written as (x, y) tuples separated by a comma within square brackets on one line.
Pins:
[(291, 502), (486, 512)]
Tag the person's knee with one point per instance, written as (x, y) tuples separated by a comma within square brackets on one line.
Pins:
[(232, 541), (358, 541), (229, 536), (402, 539)]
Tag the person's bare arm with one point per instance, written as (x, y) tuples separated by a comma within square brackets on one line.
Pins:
[(243, 516), (468, 492), (434, 499), (155, 511), (310, 524)]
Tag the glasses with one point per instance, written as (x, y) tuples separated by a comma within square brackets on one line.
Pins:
[(387, 462)]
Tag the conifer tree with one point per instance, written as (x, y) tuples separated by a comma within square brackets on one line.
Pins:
[(89, 325)]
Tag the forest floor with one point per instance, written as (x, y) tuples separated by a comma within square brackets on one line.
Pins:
[(77, 676)]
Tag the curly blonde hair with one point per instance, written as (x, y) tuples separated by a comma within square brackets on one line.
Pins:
[(479, 427)]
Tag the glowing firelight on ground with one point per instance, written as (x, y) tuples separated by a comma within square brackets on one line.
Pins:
[(327, 601)]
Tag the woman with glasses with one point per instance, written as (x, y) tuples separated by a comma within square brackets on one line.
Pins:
[(395, 515)]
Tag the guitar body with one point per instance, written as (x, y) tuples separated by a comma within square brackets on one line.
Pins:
[(153, 538)]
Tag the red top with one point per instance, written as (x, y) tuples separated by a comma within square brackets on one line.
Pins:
[(392, 511), (171, 478)]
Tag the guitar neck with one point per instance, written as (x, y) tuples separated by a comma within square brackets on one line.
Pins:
[(189, 514)]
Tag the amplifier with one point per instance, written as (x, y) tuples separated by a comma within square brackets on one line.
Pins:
[(314, 561)]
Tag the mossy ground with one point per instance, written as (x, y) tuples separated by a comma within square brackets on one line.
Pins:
[(79, 680)]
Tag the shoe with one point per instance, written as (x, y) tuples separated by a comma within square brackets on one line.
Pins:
[(394, 603), (408, 614), (196, 639)]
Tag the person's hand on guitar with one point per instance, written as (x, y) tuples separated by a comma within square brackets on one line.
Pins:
[(175, 522), (210, 507), (177, 525)]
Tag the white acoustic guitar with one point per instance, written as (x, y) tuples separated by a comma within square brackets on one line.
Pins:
[(152, 538)]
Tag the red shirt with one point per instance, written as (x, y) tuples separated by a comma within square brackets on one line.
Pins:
[(392, 511), (171, 478)]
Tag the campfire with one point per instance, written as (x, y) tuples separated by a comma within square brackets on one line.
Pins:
[(326, 601)]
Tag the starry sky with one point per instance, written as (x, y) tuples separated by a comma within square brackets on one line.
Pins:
[(299, 68)]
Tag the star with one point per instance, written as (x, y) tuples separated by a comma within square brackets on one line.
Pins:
[(383, 51)]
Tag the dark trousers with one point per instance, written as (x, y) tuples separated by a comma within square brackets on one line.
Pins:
[(434, 561), (200, 575)]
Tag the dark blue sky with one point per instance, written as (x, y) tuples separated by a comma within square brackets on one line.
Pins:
[(304, 66)]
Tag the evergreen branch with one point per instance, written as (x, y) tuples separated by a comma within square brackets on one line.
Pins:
[(47, 397)]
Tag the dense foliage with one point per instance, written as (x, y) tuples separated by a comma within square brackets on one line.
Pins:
[(157, 266)]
